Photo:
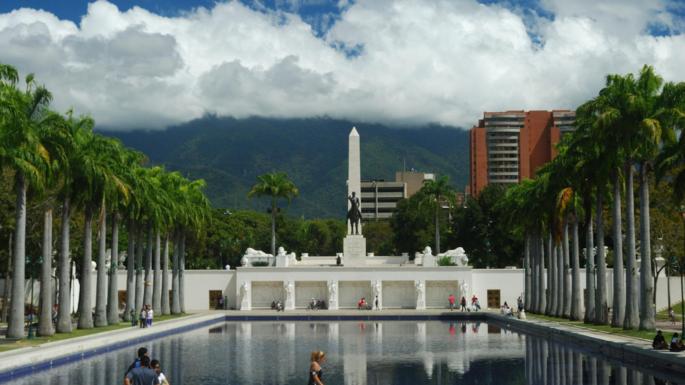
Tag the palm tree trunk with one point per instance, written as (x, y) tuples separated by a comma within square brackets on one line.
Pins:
[(631, 320), (15, 324), (113, 293), (140, 244), (619, 296), (559, 310), (589, 271), (101, 290), (566, 267), (85, 308), (157, 277), (601, 306), (147, 298), (549, 309), (175, 301), (542, 293), (553, 280), (273, 227), (8, 283), (130, 270), (165, 277), (45, 324), (647, 311), (437, 227), (527, 279), (64, 299), (575, 277), (181, 273), (534, 276)]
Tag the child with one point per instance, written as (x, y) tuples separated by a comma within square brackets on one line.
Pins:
[(149, 316)]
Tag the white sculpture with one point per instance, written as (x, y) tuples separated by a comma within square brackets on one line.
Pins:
[(465, 290), (377, 295), (333, 295), (458, 256), (428, 257), (250, 252), (420, 295), (281, 252), (289, 287), (245, 296)]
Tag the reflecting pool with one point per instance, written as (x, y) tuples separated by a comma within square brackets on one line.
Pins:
[(358, 353)]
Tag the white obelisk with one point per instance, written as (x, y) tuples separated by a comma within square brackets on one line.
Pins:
[(354, 245)]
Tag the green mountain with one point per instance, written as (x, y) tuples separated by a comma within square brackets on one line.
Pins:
[(230, 153)]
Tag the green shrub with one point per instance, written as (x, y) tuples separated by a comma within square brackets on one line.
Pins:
[(260, 263), (446, 261)]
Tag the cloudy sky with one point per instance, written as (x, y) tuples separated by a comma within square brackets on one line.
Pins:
[(152, 63)]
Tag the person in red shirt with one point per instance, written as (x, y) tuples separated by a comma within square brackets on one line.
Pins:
[(451, 300)]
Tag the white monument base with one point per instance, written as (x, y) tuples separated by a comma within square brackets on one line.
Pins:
[(354, 250)]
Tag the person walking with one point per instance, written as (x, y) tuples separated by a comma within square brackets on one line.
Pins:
[(141, 317), (148, 316), (452, 300), (463, 303), (315, 371), (142, 375), (158, 369), (142, 352)]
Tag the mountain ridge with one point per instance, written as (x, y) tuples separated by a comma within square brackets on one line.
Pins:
[(230, 153)]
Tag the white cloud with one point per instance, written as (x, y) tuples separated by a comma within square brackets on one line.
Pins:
[(438, 61)]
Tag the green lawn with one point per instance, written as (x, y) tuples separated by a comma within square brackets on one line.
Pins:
[(642, 334), (677, 308), (6, 345)]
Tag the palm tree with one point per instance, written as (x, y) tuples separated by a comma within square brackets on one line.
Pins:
[(21, 113), (73, 141), (437, 193), (275, 185)]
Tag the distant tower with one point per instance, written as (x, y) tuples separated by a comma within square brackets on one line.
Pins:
[(354, 245), (354, 183)]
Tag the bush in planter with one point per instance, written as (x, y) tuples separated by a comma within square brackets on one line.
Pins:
[(446, 261), (260, 263)]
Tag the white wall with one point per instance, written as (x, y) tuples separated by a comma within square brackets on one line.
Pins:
[(510, 282)]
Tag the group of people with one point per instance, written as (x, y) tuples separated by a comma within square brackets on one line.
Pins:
[(144, 371), (144, 319), (676, 344), (277, 305), (475, 304), (362, 304)]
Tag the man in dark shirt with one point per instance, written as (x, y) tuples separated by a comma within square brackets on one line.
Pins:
[(659, 341), (142, 352), (142, 375)]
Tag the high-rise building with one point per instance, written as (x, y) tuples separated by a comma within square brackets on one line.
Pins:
[(379, 198), (507, 147)]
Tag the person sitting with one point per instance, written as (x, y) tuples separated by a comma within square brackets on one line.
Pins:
[(659, 341), (361, 305), (676, 343)]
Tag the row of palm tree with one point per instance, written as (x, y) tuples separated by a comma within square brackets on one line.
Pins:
[(62, 163), (630, 125)]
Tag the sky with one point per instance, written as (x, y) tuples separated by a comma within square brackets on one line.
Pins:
[(152, 63)]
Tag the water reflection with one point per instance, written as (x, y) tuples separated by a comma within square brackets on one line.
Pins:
[(359, 353)]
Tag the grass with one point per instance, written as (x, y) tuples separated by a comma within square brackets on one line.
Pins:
[(641, 334), (677, 308), (6, 345)]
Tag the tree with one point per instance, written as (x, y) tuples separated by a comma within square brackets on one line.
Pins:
[(21, 113), (438, 194), (275, 185)]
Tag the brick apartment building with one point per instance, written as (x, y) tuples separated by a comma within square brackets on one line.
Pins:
[(507, 147)]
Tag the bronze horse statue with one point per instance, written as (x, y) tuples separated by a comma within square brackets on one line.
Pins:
[(354, 214)]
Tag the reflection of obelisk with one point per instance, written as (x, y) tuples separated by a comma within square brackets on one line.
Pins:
[(354, 245)]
